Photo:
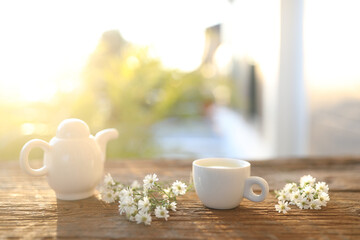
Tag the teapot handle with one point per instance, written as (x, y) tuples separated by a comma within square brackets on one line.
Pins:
[(24, 157)]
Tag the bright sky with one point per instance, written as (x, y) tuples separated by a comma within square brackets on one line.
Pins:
[(44, 44)]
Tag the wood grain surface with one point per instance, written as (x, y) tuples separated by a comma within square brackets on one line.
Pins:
[(29, 209)]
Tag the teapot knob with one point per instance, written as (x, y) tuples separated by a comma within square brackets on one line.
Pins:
[(73, 128)]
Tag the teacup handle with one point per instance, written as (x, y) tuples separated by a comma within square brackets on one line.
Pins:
[(24, 157), (249, 193)]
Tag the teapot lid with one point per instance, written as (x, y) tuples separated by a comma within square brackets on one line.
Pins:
[(73, 128)]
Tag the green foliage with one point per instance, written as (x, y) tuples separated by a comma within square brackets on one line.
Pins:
[(125, 88)]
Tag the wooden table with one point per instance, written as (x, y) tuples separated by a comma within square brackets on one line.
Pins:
[(29, 209)]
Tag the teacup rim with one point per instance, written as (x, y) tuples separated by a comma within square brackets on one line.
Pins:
[(246, 163)]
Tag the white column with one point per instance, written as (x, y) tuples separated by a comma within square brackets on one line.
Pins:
[(292, 129)]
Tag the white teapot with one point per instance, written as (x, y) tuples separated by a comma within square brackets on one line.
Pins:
[(73, 159)]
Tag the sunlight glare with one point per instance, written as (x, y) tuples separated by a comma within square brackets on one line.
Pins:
[(45, 45), (332, 45)]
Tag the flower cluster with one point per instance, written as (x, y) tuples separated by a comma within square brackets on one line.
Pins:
[(139, 202), (306, 195)]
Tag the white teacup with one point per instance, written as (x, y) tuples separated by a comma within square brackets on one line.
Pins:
[(221, 183)]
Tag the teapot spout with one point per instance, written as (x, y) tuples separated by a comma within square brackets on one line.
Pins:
[(103, 137)]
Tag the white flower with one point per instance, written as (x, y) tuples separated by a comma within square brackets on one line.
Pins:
[(135, 184), (138, 204), (143, 217), (282, 195), (308, 192), (129, 212), (125, 203), (161, 212), (167, 190), (137, 197), (295, 197), (145, 191), (282, 206), (303, 203), (125, 193), (307, 180), (178, 188), (144, 204), (323, 198), (131, 218), (108, 180), (173, 206), (167, 193), (150, 180), (107, 195), (118, 188), (306, 195), (315, 204), (290, 187), (322, 187)]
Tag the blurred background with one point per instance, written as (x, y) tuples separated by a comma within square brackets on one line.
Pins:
[(251, 79)]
